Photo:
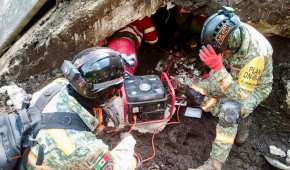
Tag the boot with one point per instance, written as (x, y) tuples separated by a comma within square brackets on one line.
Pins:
[(243, 130), (210, 164)]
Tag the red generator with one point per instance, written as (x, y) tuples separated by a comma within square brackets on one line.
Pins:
[(147, 98)]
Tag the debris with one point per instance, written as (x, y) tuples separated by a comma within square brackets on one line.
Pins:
[(17, 95), (277, 151), (193, 112)]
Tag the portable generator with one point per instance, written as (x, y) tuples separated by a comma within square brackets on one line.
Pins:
[(147, 97)]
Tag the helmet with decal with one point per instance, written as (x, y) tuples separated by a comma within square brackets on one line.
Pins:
[(218, 28)]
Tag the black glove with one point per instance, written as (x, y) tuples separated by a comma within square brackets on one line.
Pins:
[(194, 97)]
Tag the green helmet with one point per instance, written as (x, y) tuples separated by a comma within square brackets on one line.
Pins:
[(218, 27), (94, 71)]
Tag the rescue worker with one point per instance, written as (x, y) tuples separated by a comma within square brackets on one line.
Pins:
[(87, 90), (127, 40), (240, 59)]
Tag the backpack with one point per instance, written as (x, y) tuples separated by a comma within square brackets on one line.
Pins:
[(18, 130)]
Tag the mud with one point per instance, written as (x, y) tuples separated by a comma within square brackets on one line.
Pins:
[(188, 144)]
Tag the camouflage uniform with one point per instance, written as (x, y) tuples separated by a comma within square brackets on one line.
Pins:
[(71, 149), (247, 77)]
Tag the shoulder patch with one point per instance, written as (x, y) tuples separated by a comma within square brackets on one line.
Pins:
[(250, 73)]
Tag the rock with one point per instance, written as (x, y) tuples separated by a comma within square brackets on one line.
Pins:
[(277, 151), (67, 30), (269, 17), (14, 16)]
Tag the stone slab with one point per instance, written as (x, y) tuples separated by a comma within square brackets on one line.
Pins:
[(14, 15), (73, 26)]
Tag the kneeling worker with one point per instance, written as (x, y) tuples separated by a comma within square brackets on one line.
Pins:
[(59, 130), (240, 59)]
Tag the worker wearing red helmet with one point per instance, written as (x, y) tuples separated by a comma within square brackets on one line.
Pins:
[(127, 41)]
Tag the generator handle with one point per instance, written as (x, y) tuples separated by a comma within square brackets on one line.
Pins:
[(123, 94), (164, 77)]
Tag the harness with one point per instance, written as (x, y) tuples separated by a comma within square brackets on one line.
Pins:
[(18, 131)]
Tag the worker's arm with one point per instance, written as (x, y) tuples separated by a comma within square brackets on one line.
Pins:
[(253, 85)]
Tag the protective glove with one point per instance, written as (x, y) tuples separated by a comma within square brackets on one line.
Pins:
[(211, 58), (195, 97)]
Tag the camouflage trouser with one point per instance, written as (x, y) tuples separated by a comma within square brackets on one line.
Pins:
[(223, 142), (225, 137)]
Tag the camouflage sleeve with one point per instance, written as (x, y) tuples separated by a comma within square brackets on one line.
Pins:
[(69, 149), (253, 85)]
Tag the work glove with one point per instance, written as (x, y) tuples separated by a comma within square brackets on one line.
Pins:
[(213, 60), (195, 97)]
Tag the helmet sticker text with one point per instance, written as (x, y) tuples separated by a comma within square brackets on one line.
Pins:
[(222, 34)]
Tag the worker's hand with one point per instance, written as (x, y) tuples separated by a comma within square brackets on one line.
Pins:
[(213, 60), (194, 97)]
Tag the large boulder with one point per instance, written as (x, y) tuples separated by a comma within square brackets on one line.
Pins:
[(14, 15), (268, 16)]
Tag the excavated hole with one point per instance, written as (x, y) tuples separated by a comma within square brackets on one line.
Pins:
[(187, 145)]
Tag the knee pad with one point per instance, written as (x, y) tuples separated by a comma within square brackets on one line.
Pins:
[(229, 113)]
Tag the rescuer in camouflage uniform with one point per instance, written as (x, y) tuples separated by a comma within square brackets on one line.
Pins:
[(240, 59), (91, 78)]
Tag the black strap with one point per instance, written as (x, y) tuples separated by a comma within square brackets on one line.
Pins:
[(38, 107), (46, 96), (61, 120)]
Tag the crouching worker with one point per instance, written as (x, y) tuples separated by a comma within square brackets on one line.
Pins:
[(73, 111), (127, 41), (240, 59)]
